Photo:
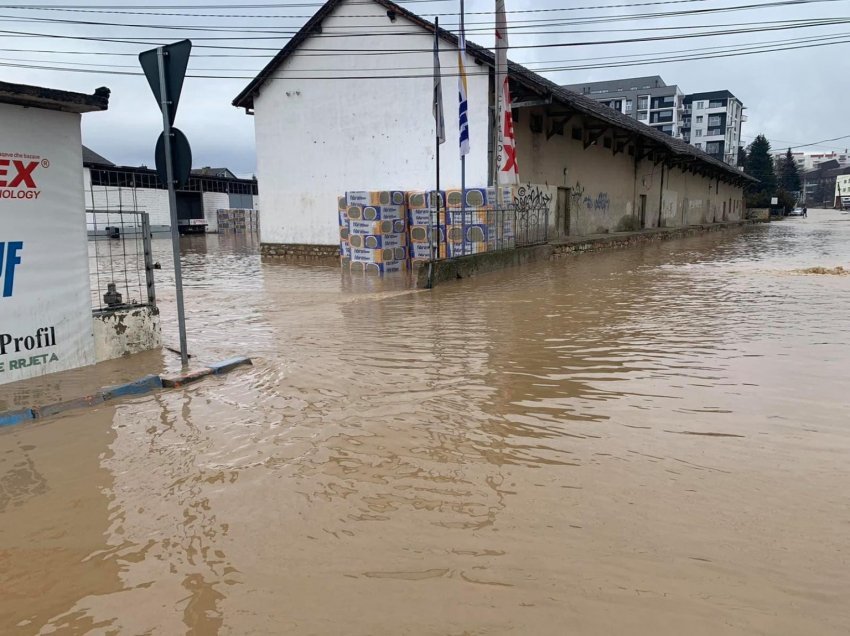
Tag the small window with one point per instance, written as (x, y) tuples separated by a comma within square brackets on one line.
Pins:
[(577, 133), (699, 133), (699, 119), (698, 145)]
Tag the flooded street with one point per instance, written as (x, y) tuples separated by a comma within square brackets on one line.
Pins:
[(650, 441)]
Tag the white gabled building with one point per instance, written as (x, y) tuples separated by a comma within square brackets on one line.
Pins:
[(369, 126)]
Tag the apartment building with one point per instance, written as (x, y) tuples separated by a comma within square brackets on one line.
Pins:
[(712, 122), (811, 160), (648, 99)]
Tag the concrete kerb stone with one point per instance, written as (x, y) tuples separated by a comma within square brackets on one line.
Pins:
[(141, 386), (176, 381), (137, 387), (11, 418), (228, 365)]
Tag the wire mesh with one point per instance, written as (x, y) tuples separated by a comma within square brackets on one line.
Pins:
[(120, 262)]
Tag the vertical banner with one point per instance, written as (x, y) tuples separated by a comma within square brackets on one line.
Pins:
[(507, 170), (45, 291), (438, 91), (463, 91)]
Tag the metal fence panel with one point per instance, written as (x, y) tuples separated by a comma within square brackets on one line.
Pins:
[(455, 232), (120, 260)]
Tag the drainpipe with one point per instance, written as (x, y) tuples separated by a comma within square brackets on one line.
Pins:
[(661, 197)]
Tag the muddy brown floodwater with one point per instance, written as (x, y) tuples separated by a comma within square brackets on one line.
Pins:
[(652, 441)]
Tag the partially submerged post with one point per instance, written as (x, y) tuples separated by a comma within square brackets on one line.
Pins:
[(165, 68)]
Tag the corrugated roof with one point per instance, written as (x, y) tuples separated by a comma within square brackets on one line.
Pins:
[(91, 157), (530, 80), (52, 99)]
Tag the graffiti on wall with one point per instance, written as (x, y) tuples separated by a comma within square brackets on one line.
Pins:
[(581, 198), (576, 195), (602, 202), (530, 197)]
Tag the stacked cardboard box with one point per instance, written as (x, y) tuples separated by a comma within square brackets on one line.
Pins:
[(387, 231), (423, 228), (377, 231), (239, 221)]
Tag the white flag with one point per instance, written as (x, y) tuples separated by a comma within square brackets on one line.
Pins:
[(438, 91)]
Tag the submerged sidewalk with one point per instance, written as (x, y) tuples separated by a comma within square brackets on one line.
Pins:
[(466, 266)]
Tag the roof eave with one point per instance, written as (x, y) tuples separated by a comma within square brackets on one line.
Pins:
[(52, 99)]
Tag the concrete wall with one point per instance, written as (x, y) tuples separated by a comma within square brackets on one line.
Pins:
[(125, 332), (605, 188), (315, 139)]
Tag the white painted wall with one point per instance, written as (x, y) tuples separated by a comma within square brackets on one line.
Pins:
[(152, 201), (317, 139), (213, 202), (45, 274)]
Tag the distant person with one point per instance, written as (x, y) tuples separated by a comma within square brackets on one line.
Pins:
[(805, 211)]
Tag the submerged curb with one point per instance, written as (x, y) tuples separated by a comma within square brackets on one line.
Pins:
[(141, 386)]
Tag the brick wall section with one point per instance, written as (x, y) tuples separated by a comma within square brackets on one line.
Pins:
[(299, 252)]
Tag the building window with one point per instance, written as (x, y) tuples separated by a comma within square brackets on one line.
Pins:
[(642, 115), (698, 145), (699, 105), (713, 122), (699, 119), (643, 102), (716, 103), (699, 132), (629, 105), (713, 147)]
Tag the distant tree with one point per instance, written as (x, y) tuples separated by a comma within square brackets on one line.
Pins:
[(760, 166), (789, 176), (742, 157)]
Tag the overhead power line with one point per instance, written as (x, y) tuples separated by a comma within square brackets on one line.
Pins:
[(177, 10), (385, 51), (429, 76), (256, 31), (822, 141), (597, 60)]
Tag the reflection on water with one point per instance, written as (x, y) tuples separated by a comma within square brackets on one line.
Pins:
[(650, 441)]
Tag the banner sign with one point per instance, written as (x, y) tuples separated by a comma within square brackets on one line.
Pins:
[(506, 163), (45, 304)]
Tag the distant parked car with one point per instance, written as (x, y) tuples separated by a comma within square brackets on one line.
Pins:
[(798, 212)]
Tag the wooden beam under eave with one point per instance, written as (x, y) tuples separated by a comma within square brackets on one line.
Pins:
[(561, 123), (594, 135), (530, 103), (643, 153)]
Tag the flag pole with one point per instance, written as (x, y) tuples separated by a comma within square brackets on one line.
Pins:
[(462, 153), (438, 140)]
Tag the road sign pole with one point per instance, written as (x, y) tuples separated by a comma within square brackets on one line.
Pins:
[(172, 204)]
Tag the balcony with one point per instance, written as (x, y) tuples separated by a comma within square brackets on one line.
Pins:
[(715, 132)]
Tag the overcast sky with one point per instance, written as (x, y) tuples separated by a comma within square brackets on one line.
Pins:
[(792, 96)]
